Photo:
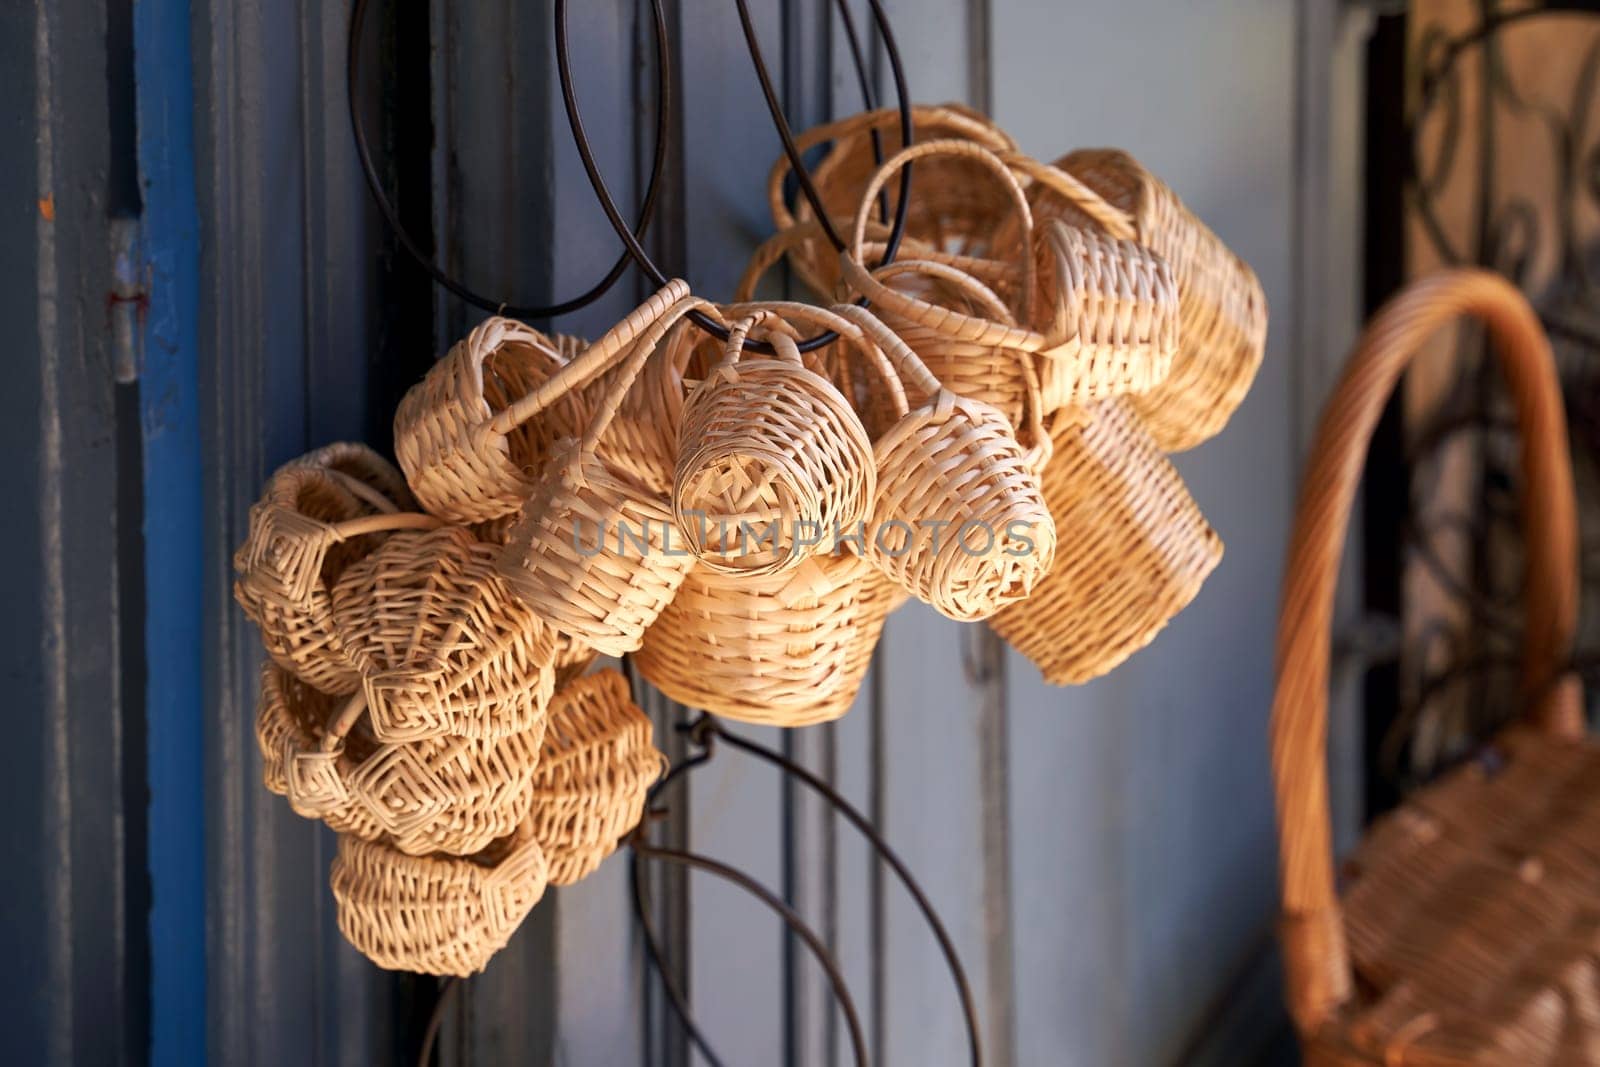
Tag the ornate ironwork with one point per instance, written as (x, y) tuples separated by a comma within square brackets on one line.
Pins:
[(1461, 537)]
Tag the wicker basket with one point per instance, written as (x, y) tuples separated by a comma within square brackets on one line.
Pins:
[(1114, 316), (592, 552), (321, 493), (595, 769), (787, 649), (948, 468), (441, 794), (1140, 548), (443, 915), (771, 456), (442, 646), (1469, 931), (466, 435), (641, 444), (1222, 310)]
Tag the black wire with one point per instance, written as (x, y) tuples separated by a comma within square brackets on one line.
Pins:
[(802, 175), (706, 732), (436, 1020), (391, 217), (790, 917)]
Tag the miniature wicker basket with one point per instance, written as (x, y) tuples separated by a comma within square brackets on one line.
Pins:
[(592, 552), (1222, 310), (641, 444), (442, 794), (323, 491), (948, 213), (443, 915), (442, 645), (1140, 548), (469, 451), (771, 456), (953, 464), (595, 770), (785, 649), (1468, 927)]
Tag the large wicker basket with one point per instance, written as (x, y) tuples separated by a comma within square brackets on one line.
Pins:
[(1469, 929)]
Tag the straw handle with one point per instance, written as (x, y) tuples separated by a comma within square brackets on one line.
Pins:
[(792, 238), (594, 361), (1115, 221), (384, 523), (861, 331), (1315, 954), (644, 345), (344, 722)]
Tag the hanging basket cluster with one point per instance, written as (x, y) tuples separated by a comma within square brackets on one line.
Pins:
[(984, 429)]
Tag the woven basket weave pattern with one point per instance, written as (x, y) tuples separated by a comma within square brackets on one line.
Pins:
[(442, 646), (442, 915), (781, 650), (1222, 310), (1140, 549), (597, 765)]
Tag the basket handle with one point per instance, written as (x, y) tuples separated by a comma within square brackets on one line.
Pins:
[(869, 340), (1115, 221), (1315, 954), (954, 119), (594, 361), (643, 346), (793, 238)]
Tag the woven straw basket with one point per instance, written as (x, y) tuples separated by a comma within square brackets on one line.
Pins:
[(595, 769), (323, 497), (951, 468), (787, 649), (443, 915), (641, 444), (1222, 310), (442, 646), (592, 552), (770, 454), (1140, 548), (442, 794), (946, 213), (468, 450), (1469, 930), (1107, 310)]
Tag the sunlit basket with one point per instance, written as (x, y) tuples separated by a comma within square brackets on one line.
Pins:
[(977, 343), (1222, 310), (317, 515), (595, 769), (1140, 548), (592, 552), (947, 213), (1113, 307), (784, 649), (443, 915), (441, 644), (1469, 926), (950, 468), (441, 794), (466, 435), (771, 456)]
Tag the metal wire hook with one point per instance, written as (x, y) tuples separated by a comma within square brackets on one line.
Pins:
[(391, 217), (786, 135)]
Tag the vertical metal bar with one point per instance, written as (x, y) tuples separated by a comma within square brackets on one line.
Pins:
[(172, 520)]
